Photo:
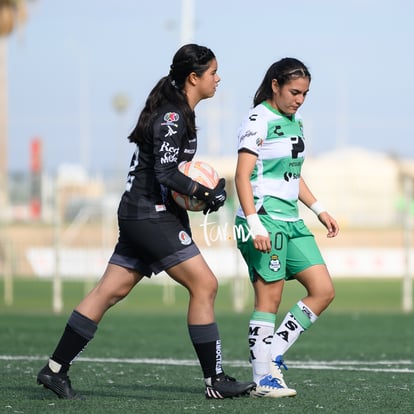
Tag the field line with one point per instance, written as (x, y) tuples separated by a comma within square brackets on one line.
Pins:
[(389, 366)]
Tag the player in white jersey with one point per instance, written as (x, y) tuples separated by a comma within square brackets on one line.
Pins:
[(269, 184)]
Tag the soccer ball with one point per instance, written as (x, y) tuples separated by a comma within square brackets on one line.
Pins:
[(201, 172)]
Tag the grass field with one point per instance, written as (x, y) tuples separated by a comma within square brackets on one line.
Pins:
[(358, 358)]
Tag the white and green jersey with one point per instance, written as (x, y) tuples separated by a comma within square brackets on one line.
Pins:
[(278, 142)]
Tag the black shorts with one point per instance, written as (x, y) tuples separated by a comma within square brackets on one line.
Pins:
[(154, 244)]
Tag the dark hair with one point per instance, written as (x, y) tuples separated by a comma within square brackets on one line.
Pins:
[(283, 71), (170, 89)]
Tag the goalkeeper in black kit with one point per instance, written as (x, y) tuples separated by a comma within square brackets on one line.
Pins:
[(154, 232)]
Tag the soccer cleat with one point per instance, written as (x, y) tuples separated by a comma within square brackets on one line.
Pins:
[(271, 387), (276, 372), (58, 383), (224, 386)]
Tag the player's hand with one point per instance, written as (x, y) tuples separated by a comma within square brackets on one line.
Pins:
[(214, 198), (262, 243), (260, 236), (330, 223)]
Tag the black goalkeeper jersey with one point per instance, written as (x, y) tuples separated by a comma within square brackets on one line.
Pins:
[(154, 170)]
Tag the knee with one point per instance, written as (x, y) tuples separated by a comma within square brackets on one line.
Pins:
[(206, 289), (328, 295), (211, 287), (111, 297), (267, 303), (117, 297)]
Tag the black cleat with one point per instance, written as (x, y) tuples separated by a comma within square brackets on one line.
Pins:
[(224, 386), (58, 383)]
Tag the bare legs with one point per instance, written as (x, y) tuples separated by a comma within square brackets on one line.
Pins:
[(114, 285), (315, 279), (196, 276)]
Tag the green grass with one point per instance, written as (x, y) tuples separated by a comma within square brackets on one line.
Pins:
[(358, 358), (352, 295)]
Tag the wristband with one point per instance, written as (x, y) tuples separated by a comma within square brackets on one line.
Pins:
[(317, 208), (256, 226)]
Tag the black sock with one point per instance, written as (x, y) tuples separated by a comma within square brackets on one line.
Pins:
[(77, 334), (207, 344)]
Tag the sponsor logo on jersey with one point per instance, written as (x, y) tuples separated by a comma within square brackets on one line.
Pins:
[(274, 263), (289, 176), (253, 117), (278, 131), (185, 239), (170, 132), (248, 134), (170, 119), (298, 146), (170, 153)]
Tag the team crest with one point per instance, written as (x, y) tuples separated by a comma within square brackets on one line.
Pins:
[(185, 239), (274, 263), (259, 142), (171, 117)]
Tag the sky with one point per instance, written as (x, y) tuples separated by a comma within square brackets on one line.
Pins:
[(70, 60)]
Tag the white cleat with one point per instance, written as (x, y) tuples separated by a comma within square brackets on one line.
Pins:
[(276, 372), (271, 387)]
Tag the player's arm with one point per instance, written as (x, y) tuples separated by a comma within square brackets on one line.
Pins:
[(169, 131), (167, 145), (310, 201), (246, 161), (305, 194)]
